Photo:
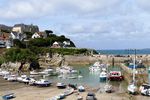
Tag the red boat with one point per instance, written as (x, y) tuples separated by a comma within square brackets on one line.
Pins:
[(115, 76)]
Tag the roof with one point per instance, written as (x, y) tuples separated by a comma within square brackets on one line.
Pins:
[(55, 43), (4, 36)]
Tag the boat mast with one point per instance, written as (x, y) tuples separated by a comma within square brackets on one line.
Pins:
[(134, 66)]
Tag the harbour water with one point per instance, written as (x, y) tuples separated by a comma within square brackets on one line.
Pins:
[(89, 79)]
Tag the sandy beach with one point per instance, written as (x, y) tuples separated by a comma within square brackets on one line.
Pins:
[(26, 92)]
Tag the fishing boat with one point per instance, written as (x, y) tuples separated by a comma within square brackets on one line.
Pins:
[(103, 76), (115, 76), (61, 85), (43, 82), (132, 88), (145, 89)]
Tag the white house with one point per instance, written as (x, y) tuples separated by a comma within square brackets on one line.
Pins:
[(57, 45), (66, 42), (19, 36), (35, 35)]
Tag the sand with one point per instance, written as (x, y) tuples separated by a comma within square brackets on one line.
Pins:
[(26, 92)]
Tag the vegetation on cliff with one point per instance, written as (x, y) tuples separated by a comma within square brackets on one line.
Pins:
[(42, 42)]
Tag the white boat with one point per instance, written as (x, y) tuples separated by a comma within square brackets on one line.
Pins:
[(58, 97), (28, 80), (68, 91), (66, 70), (145, 89), (108, 88), (12, 78), (3, 72), (72, 77), (132, 88), (20, 78), (80, 76), (103, 76), (81, 88), (6, 76), (95, 67), (79, 97), (61, 85), (47, 71), (34, 73), (43, 82)]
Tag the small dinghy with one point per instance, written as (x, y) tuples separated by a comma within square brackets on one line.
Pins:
[(61, 85), (81, 88), (8, 96)]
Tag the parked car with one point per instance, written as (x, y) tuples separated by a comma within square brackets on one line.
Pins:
[(91, 96)]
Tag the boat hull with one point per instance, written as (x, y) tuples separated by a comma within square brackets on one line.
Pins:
[(102, 79), (119, 78)]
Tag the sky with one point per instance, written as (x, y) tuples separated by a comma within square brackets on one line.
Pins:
[(98, 24)]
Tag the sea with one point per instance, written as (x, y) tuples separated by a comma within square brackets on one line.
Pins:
[(124, 51)]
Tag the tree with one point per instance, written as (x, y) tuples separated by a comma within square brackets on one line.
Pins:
[(29, 34), (20, 55), (18, 43)]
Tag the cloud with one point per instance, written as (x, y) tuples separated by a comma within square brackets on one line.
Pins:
[(34, 8), (89, 20)]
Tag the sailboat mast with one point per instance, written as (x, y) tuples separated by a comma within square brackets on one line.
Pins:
[(134, 65)]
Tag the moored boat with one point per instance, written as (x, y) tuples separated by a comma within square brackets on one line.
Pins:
[(145, 89), (108, 88), (61, 85), (68, 91), (115, 76), (12, 78), (95, 67), (132, 88), (43, 82), (4, 72), (66, 70), (20, 78), (81, 88), (103, 76), (28, 80), (47, 71)]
